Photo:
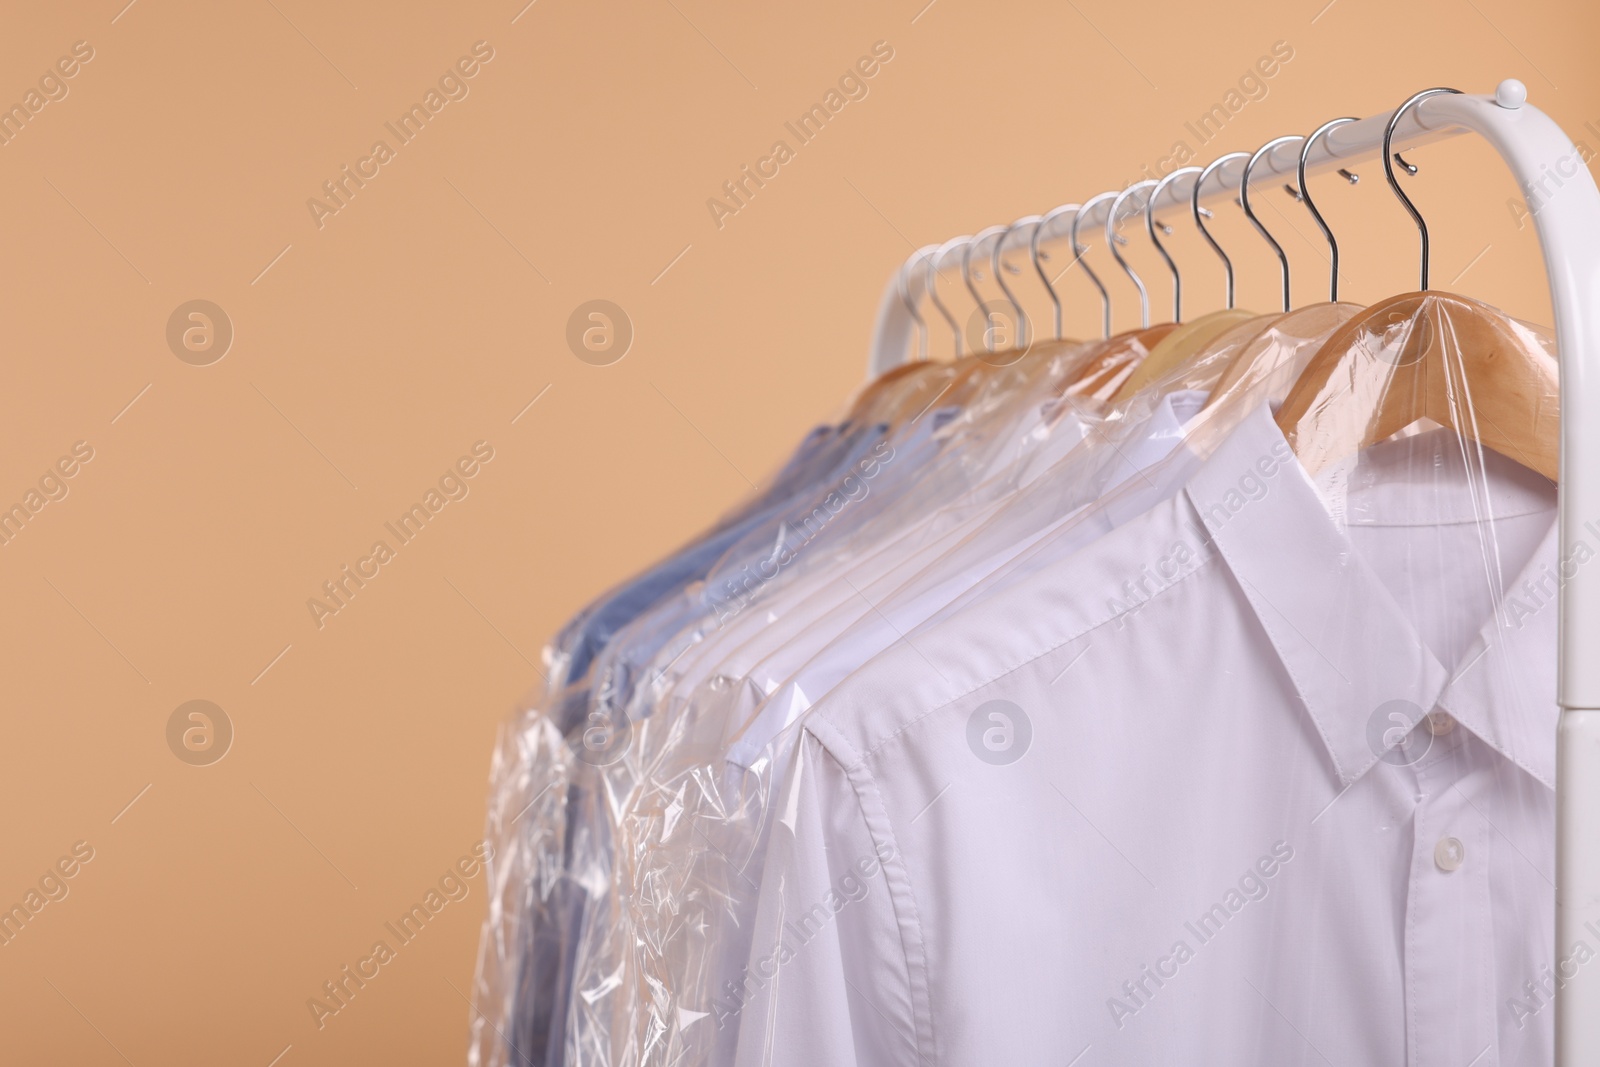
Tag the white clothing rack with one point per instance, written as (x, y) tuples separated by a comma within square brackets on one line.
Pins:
[(1565, 207)]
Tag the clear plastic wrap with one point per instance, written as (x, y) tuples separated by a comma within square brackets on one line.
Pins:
[(530, 934), (739, 716), (651, 820), (935, 446), (602, 967), (1326, 662), (549, 926), (526, 949)]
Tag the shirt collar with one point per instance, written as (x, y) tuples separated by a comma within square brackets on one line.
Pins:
[(1505, 689), (1155, 439), (1351, 653)]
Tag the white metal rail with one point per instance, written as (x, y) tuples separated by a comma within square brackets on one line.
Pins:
[(1565, 207)]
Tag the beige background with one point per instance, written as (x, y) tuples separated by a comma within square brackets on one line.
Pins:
[(427, 314)]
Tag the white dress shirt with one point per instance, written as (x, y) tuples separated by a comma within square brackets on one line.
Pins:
[(1168, 801), (802, 670), (701, 825), (677, 766), (1028, 496), (982, 462)]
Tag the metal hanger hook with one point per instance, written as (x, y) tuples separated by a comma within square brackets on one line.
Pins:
[(997, 234), (1194, 205), (1033, 249), (1244, 202), (1111, 242), (1077, 257), (1390, 157), (1024, 328), (1150, 228), (931, 283), (1305, 198)]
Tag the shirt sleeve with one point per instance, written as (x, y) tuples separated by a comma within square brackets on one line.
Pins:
[(828, 981)]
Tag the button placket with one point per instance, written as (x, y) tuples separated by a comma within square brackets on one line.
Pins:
[(1448, 957)]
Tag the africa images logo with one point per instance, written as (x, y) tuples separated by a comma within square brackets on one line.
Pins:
[(999, 732), (1392, 734)]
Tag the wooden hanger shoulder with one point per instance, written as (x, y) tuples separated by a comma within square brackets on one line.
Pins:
[(1110, 367), (1261, 358), (1179, 346), (1429, 355)]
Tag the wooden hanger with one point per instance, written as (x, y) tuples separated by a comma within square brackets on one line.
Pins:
[(1262, 360), (908, 387), (971, 373), (976, 372), (1250, 363), (1188, 342), (1429, 355), (1181, 345), (1110, 366)]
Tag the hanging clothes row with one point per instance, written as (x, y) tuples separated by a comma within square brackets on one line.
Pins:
[(1185, 695)]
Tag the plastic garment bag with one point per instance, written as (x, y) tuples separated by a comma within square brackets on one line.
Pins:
[(521, 953), (684, 859), (1264, 774), (726, 829), (546, 848), (599, 840), (536, 819), (566, 856), (918, 525), (588, 858)]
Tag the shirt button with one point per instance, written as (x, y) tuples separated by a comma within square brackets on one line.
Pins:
[(1440, 723), (1449, 854)]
